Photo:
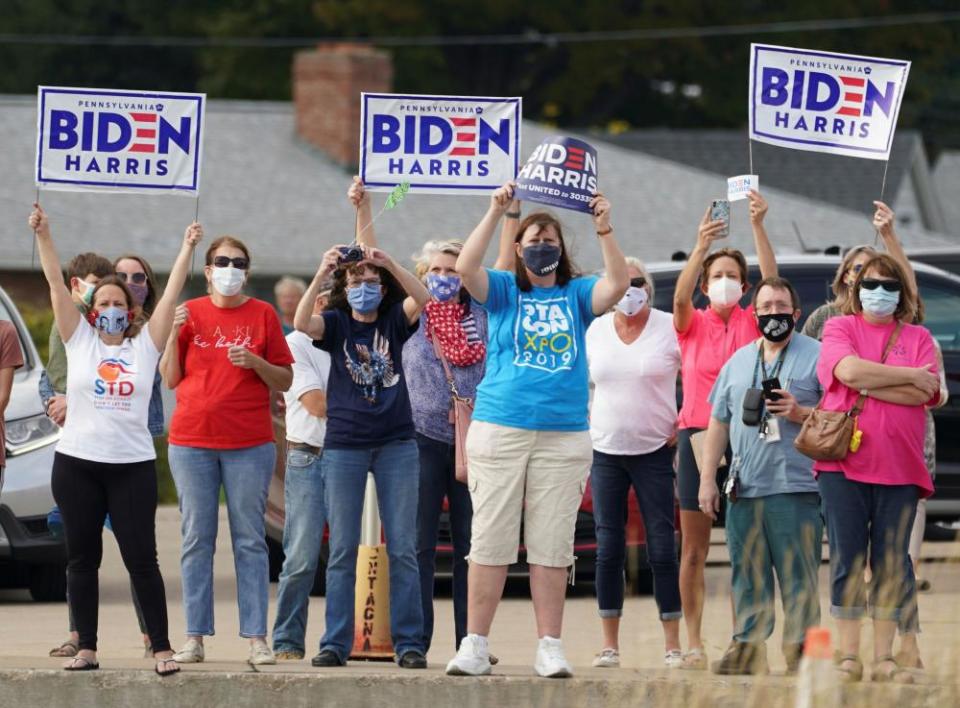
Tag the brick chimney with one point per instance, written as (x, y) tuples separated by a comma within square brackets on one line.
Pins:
[(327, 82)]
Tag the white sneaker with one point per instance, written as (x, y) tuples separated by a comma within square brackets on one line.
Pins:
[(673, 659), (472, 659), (607, 659), (551, 663), (192, 653), (261, 654)]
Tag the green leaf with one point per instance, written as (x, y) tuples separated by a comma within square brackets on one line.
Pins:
[(397, 195)]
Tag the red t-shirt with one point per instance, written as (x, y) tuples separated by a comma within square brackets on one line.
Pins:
[(220, 405), (10, 356)]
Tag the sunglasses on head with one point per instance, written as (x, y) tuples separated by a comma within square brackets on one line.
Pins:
[(857, 267), (240, 262), (891, 286), (638, 282), (138, 278)]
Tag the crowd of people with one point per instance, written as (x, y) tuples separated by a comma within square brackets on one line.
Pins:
[(373, 362)]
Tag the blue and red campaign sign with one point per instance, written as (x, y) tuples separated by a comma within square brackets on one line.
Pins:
[(438, 144), (825, 102), (119, 141), (561, 172)]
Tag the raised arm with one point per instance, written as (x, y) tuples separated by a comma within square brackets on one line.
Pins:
[(417, 294), (170, 370), (304, 319), (765, 255), (616, 279), (66, 313), (360, 199), (707, 233), (507, 253), (470, 261), (883, 221), (161, 323)]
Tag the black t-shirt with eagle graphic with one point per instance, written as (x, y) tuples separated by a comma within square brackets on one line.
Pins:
[(367, 400)]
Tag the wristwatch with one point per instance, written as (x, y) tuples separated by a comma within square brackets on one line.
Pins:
[(607, 232), (512, 214)]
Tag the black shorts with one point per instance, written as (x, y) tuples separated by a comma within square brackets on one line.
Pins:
[(688, 475)]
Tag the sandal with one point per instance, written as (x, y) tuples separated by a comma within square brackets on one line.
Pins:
[(84, 665), (897, 675), (850, 674), (168, 671), (66, 650), (694, 660)]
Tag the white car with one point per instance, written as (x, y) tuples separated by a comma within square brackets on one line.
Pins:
[(30, 555)]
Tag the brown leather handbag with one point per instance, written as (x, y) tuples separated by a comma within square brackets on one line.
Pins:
[(826, 435), (461, 413)]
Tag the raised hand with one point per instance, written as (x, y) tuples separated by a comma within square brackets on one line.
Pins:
[(502, 196), (357, 194), (38, 222), (758, 207), (709, 231), (600, 206)]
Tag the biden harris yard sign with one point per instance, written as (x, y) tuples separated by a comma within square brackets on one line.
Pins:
[(825, 102), (439, 144), (119, 141), (561, 172)]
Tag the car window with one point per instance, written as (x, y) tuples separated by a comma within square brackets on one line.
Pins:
[(942, 312)]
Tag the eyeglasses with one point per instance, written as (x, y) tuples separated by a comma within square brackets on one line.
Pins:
[(138, 278), (223, 262), (638, 282), (891, 286)]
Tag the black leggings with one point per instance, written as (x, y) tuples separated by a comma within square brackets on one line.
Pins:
[(86, 492)]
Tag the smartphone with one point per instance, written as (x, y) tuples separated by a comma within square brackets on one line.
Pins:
[(720, 211), (769, 386)]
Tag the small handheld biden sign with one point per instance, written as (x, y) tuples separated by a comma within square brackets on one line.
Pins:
[(119, 141), (438, 144), (825, 102), (561, 172)]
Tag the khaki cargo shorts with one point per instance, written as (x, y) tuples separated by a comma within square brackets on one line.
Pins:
[(538, 474)]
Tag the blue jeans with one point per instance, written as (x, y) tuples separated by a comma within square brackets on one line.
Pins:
[(244, 474), (652, 478), (305, 517), (438, 480), (876, 519), (396, 469), (782, 533)]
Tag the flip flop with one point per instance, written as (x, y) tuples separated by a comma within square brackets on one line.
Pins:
[(87, 665), (168, 672), (67, 650)]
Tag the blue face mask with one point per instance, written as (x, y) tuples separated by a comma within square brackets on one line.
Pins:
[(541, 258), (112, 320), (879, 302), (364, 298), (443, 287)]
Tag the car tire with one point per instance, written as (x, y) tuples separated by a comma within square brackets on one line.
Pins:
[(47, 582), (937, 532)]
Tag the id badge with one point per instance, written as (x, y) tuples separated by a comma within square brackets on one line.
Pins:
[(772, 430)]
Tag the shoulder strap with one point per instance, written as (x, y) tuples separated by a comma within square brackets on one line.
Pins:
[(443, 360), (861, 399)]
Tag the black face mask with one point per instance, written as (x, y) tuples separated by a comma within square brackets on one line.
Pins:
[(541, 258), (776, 328)]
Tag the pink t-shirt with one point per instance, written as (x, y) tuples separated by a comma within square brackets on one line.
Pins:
[(891, 450), (704, 348)]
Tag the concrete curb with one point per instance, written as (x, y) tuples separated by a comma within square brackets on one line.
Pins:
[(357, 688)]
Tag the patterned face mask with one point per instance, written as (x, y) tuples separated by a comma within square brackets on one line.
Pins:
[(443, 287)]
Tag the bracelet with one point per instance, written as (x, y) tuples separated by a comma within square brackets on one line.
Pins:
[(512, 214), (605, 233)]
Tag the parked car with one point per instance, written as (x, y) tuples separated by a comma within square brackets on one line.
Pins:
[(30, 556)]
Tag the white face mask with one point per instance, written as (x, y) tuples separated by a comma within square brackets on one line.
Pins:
[(228, 281), (633, 301), (725, 291)]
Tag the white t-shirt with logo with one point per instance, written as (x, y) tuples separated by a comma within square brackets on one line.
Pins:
[(108, 396), (635, 400), (311, 369)]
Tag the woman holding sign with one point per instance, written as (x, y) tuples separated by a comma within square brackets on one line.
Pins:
[(708, 337), (529, 445), (104, 462)]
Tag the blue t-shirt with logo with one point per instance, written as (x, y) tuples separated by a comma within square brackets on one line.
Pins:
[(536, 375)]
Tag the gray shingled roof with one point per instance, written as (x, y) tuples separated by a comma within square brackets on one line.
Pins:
[(946, 182), (287, 201)]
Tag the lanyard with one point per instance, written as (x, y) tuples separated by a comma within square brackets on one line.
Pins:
[(762, 366)]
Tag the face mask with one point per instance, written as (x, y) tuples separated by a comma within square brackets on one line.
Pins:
[(86, 291), (113, 320), (139, 292), (443, 287), (725, 291), (776, 328), (541, 258), (633, 301), (364, 298), (228, 281), (879, 302)]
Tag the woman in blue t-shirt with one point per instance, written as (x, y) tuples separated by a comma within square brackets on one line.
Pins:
[(374, 308), (529, 445)]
